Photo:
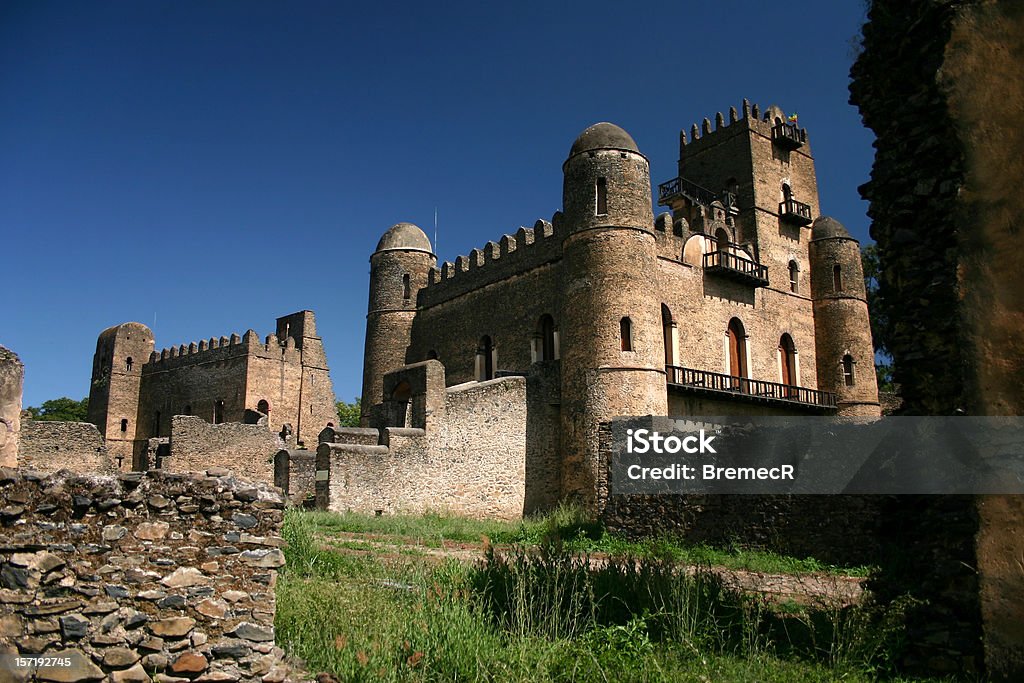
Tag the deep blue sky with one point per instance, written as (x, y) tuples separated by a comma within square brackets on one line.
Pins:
[(204, 167)]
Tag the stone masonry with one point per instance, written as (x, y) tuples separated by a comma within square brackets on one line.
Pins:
[(12, 376), (169, 576)]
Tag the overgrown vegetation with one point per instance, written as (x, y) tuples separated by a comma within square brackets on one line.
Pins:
[(549, 614)]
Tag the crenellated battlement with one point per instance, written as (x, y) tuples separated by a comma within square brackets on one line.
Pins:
[(748, 117), (222, 348), (510, 255)]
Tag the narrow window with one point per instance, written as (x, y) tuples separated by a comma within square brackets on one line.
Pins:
[(218, 412), (787, 360), (406, 287), (668, 327), (626, 334), (837, 278), (485, 359), (602, 196), (156, 423), (794, 274), (263, 406), (848, 378), (787, 192), (128, 364), (188, 410), (547, 337), (124, 425), (431, 354), (737, 350)]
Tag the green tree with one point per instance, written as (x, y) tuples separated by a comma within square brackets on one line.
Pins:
[(62, 409), (881, 323), (348, 413)]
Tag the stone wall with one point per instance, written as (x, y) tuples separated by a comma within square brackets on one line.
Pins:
[(940, 83), (242, 448), (52, 446), (468, 458), (294, 472), (139, 575), (12, 375)]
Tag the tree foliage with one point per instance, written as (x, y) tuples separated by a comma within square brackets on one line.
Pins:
[(348, 413), (62, 409), (881, 322)]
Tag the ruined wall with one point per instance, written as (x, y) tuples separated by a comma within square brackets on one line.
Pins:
[(470, 461), (242, 448), (141, 575), (294, 472), (12, 376), (940, 84), (52, 446)]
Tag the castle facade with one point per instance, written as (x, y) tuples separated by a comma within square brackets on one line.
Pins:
[(740, 299), (136, 392)]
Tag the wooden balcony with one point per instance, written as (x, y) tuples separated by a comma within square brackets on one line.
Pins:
[(797, 213), (717, 385), (787, 136), (729, 265)]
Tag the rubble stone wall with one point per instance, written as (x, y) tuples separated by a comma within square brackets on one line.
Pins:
[(141, 575), (51, 446)]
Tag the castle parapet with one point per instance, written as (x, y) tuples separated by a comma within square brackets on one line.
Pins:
[(511, 255)]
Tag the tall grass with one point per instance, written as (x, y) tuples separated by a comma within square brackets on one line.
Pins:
[(548, 614)]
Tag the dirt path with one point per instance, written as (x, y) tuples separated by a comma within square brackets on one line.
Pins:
[(805, 589)]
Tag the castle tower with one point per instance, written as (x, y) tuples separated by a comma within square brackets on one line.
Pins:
[(121, 352), (12, 375), (399, 268), (842, 331), (612, 345), (759, 165)]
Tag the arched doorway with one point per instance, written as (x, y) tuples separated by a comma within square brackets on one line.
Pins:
[(670, 335), (485, 359), (546, 330), (263, 406), (400, 399), (737, 352), (787, 364)]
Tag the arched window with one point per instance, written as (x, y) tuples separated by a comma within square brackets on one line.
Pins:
[(722, 239), (737, 350), (218, 412), (431, 354), (848, 378), (124, 425), (263, 406), (794, 277), (670, 335), (406, 287), (837, 278), (128, 364), (626, 334), (787, 192), (787, 361), (602, 196), (547, 346), (486, 359)]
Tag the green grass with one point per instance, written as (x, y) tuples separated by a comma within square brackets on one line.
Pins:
[(570, 525), (549, 615)]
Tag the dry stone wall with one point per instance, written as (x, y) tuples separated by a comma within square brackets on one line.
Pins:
[(52, 446), (161, 575), (196, 444), (12, 375)]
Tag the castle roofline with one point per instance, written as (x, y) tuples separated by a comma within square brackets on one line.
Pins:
[(826, 227), (603, 135), (404, 237)]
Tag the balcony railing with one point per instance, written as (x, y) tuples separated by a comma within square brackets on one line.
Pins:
[(795, 212), (735, 267), (787, 135), (682, 187), (753, 390)]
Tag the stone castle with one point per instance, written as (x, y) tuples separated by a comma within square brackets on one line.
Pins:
[(741, 299), (138, 395)]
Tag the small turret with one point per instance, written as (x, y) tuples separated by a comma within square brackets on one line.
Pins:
[(399, 268), (842, 331)]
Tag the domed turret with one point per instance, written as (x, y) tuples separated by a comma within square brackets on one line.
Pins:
[(612, 347), (399, 268), (842, 331)]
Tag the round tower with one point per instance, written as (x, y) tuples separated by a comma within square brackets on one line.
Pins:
[(845, 355), (612, 345), (399, 268), (121, 351)]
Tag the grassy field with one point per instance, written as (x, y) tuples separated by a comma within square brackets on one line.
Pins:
[(547, 613)]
